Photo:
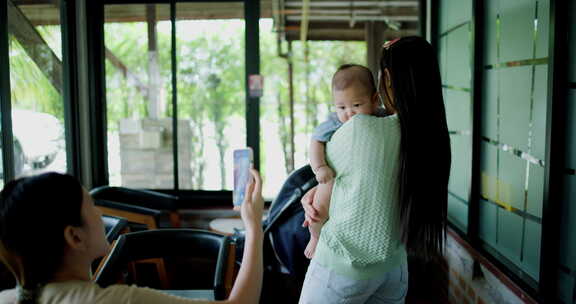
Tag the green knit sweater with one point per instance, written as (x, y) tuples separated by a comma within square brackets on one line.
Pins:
[(361, 238)]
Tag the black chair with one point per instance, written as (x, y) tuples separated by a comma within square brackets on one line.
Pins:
[(113, 226), (171, 245), (141, 198), (139, 218)]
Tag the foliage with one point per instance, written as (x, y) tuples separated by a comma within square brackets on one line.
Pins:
[(210, 81)]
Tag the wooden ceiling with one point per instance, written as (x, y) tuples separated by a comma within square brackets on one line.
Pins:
[(346, 19), (327, 19)]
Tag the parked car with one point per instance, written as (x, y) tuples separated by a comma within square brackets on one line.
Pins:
[(38, 137)]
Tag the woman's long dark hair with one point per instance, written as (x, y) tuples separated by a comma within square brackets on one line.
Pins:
[(34, 211), (425, 155)]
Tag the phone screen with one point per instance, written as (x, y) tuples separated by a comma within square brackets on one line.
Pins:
[(242, 165)]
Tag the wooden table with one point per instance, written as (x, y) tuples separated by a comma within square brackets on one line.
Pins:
[(226, 225)]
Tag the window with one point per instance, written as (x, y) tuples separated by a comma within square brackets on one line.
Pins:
[(138, 95), (36, 81), (211, 93)]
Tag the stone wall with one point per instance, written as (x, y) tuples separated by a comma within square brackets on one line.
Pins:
[(146, 153)]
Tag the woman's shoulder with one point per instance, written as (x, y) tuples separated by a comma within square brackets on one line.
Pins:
[(88, 292)]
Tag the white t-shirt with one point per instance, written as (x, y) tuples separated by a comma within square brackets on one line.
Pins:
[(88, 292)]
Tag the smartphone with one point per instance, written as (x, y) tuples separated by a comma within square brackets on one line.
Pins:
[(242, 166)]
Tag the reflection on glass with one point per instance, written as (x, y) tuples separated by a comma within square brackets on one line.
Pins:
[(35, 50), (137, 40)]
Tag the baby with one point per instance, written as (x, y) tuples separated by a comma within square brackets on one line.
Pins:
[(354, 92)]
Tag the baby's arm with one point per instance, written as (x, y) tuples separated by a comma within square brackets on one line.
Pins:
[(318, 162)]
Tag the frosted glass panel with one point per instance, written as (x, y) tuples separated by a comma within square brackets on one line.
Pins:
[(571, 130), (535, 190), (515, 106), (443, 57), (568, 224), (460, 12), (517, 29), (490, 105), (539, 112), (531, 253), (458, 110), (488, 222), (543, 29), (461, 164), (490, 46), (488, 171), (444, 15), (457, 213), (572, 40), (509, 235), (512, 179), (454, 12), (459, 58)]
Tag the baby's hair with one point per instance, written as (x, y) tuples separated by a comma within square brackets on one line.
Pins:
[(349, 75)]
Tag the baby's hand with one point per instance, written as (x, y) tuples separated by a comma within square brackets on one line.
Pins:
[(324, 174)]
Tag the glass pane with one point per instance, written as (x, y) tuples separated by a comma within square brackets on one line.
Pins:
[(539, 109), (571, 130), (443, 58), (488, 222), (444, 15), (531, 252), (454, 12), (138, 94), (457, 212), (458, 110), (543, 29), (572, 42), (492, 27), (517, 30), (211, 93), (535, 190), (312, 99), (512, 172), (490, 104), (36, 80), (489, 172), (509, 235), (515, 106), (459, 72), (568, 222), (460, 173)]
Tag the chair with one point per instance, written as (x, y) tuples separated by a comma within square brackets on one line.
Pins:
[(170, 244), (142, 198), (149, 218), (114, 226)]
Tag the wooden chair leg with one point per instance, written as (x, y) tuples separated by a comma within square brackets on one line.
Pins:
[(231, 271), (175, 219)]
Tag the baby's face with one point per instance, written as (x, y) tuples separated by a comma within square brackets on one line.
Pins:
[(351, 101)]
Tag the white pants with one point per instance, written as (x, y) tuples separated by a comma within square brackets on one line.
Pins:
[(323, 286)]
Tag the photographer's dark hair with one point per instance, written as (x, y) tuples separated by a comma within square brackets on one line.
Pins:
[(425, 155), (34, 211)]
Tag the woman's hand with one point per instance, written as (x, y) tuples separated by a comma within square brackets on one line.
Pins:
[(310, 214), (252, 208)]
